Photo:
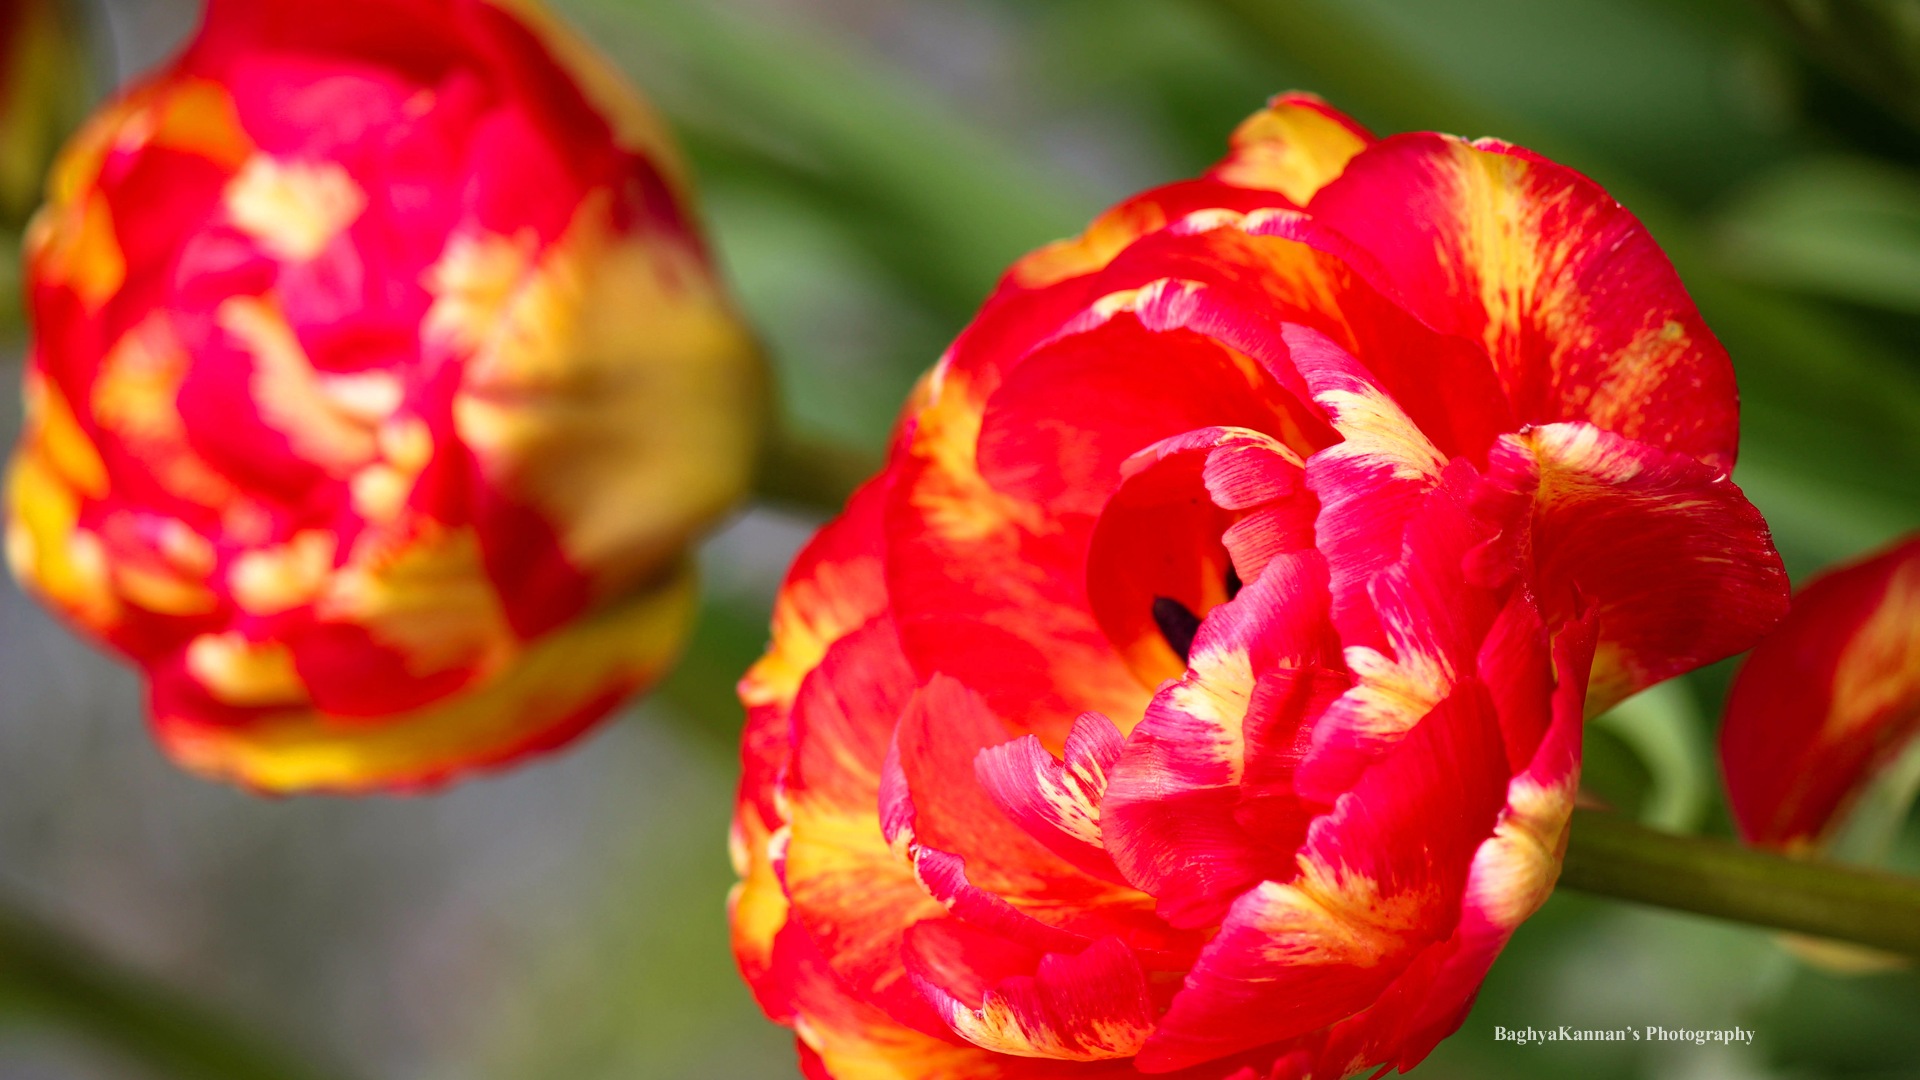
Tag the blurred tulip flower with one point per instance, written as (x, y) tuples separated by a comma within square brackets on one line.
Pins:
[(42, 95), (1198, 690), (1827, 703), (379, 385)]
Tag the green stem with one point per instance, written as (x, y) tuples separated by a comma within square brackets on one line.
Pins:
[(48, 976), (810, 474), (1611, 856)]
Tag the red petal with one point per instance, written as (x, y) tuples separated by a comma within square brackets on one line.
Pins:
[(1057, 802), (1381, 876), (1580, 310), (1087, 1006), (1168, 816), (1059, 427), (1369, 485), (1678, 564), (1826, 701), (850, 892), (1432, 622)]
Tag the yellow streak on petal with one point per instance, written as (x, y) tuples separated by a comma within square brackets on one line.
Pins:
[(369, 397), (1288, 148), (1515, 869), (136, 396), (138, 387), (379, 493), (610, 385), (55, 470), (958, 503), (1331, 917), (76, 246), (197, 116), (808, 617), (293, 209), (54, 433), (186, 550), (608, 653), (245, 673), (1389, 695), (474, 285), (996, 1025), (1218, 691), (1377, 429), (162, 591), (1504, 246), (47, 550), (757, 906), (406, 442), (271, 580), (1878, 673), (428, 597), (290, 394)]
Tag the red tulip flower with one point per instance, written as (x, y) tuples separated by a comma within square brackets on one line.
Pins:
[(379, 384), (1198, 690), (1826, 703)]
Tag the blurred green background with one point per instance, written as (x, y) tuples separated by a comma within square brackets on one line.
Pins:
[(868, 168)]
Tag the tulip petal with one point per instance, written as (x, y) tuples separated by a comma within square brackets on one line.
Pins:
[(1514, 870), (1290, 149), (1679, 565), (1058, 429), (1827, 701), (849, 890), (555, 690), (1168, 819), (1295, 146), (1379, 877), (941, 734), (1580, 310), (1089, 1006), (1017, 622), (1057, 800), (1369, 485)]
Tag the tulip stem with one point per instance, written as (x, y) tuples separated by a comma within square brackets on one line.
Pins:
[(1609, 855), (48, 976), (810, 474)]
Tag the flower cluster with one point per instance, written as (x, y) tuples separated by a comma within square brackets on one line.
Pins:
[(379, 383), (1198, 689)]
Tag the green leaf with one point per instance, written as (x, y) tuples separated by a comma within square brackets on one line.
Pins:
[(1844, 228)]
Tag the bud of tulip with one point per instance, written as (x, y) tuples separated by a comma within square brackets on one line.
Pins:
[(380, 383)]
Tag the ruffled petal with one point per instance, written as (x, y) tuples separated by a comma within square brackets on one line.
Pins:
[(1379, 878), (1168, 818), (1057, 801), (1090, 1005), (1678, 564), (1578, 307), (851, 893)]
